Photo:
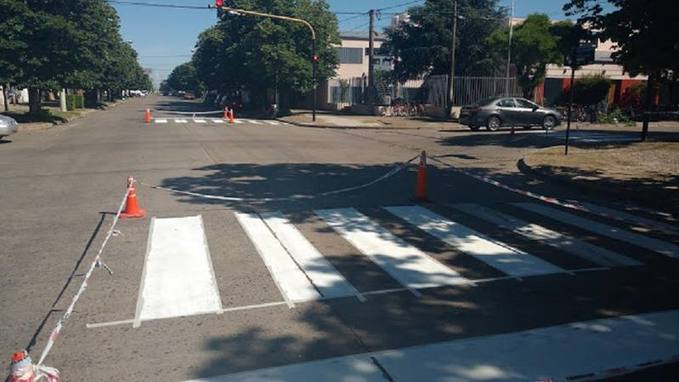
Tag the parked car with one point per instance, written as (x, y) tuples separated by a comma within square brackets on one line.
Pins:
[(508, 111), (8, 126), (189, 96)]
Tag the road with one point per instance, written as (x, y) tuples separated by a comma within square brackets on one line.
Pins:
[(304, 264)]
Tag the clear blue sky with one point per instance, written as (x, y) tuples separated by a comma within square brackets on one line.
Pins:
[(158, 33)]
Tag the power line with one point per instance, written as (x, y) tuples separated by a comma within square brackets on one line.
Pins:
[(399, 5), (352, 17), (157, 5)]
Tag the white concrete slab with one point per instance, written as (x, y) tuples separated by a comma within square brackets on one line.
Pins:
[(556, 353), (509, 260), (178, 278), (405, 263), (650, 243), (291, 281), (631, 218), (568, 244), (327, 280)]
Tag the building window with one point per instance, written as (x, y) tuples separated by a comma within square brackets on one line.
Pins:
[(350, 55)]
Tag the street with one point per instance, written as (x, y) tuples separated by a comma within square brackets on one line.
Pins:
[(285, 245)]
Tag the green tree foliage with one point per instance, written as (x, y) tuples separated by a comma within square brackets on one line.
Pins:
[(590, 90), (645, 32), (49, 45), (533, 47), (422, 44), (184, 77), (259, 54)]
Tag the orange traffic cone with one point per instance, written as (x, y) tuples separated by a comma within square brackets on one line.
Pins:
[(226, 113), (147, 117), (421, 183), (132, 209), (231, 117)]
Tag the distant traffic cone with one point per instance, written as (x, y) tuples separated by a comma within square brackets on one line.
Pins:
[(226, 113), (232, 119), (147, 117), (132, 209), (421, 182)]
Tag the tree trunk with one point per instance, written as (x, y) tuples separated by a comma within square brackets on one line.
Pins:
[(34, 101), (650, 92), (5, 90)]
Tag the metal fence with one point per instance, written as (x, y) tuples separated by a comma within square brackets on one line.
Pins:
[(431, 90)]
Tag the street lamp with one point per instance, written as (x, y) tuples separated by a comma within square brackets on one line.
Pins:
[(219, 4)]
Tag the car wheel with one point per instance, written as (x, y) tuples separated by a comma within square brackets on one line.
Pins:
[(474, 128), (493, 123), (549, 122)]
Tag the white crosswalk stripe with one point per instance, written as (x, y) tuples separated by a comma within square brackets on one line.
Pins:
[(181, 121), (323, 275), (274, 123), (253, 121), (291, 281), (238, 121), (160, 120), (597, 255), (405, 263), (630, 218), (220, 121), (652, 244), (199, 121), (178, 279), (509, 260)]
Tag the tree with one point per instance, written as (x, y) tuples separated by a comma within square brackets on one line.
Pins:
[(422, 44), (261, 55), (645, 33), (590, 90), (185, 78), (533, 48), (12, 45)]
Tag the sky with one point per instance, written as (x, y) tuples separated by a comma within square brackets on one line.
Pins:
[(164, 37)]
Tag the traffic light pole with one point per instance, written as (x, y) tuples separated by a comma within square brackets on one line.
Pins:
[(314, 57)]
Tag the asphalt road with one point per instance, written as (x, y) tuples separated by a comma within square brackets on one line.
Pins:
[(60, 189)]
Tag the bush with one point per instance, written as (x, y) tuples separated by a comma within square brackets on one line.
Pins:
[(590, 90), (615, 116), (79, 101), (70, 102)]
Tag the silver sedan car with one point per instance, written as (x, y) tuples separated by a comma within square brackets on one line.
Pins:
[(7, 126), (508, 111)]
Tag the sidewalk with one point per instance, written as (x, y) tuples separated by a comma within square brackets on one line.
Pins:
[(347, 121), (50, 116)]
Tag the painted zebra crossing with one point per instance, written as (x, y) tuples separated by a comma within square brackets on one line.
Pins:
[(178, 266), (218, 121)]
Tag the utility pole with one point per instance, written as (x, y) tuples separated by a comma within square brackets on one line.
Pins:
[(371, 55), (570, 105), (451, 80), (509, 49)]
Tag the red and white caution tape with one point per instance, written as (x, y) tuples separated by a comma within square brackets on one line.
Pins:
[(389, 174), (96, 261), (495, 183)]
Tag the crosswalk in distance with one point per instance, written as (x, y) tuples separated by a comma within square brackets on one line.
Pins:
[(217, 121), (303, 273)]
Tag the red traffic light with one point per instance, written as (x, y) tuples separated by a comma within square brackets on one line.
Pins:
[(219, 3)]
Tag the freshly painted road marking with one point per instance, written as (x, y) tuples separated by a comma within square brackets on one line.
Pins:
[(597, 255), (329, 282), (181, 121), (238, 121), (405, 263), (652, 244), (275, 123), (629, 218), (178, 278), (252, 121), (218, 121), (160, 120), (291, 281), (558, 353), (199, 121), (511, 261)]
